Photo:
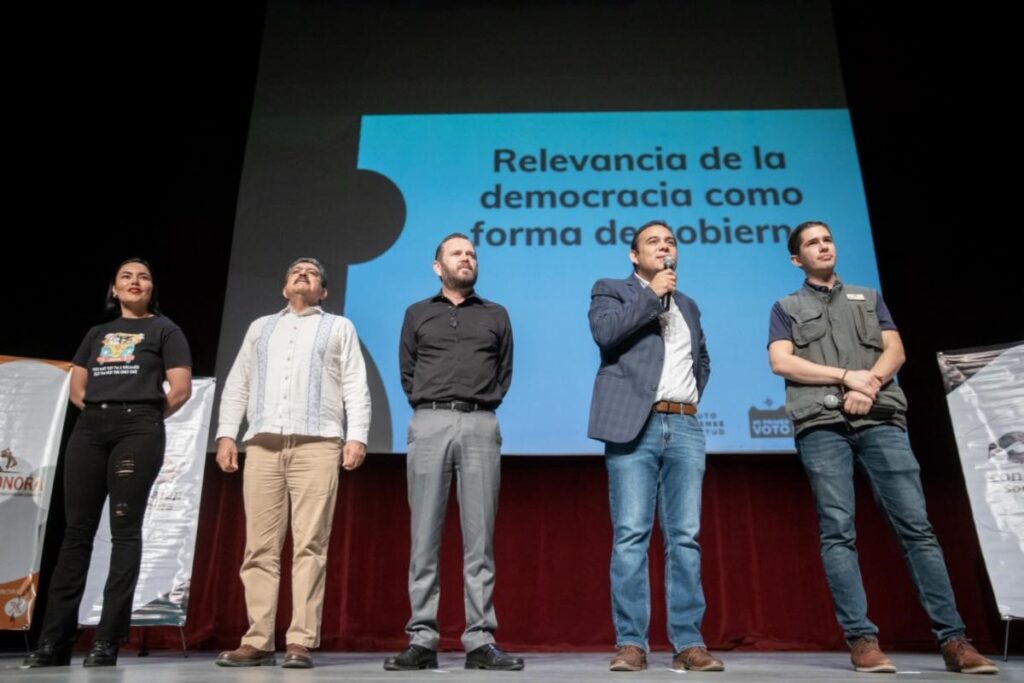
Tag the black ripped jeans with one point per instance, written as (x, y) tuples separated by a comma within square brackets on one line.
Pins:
[(115, 450)]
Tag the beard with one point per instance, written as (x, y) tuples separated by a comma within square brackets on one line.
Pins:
[(452, 279)]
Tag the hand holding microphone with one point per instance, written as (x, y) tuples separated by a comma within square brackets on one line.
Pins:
[(664, 283)]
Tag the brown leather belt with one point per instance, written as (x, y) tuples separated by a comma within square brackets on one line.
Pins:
[(679, 408)]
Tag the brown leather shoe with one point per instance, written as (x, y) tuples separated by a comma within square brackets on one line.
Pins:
[(868, 658), (696, 658), (629, 658), (963, 657), (246, 655), (297, 657)]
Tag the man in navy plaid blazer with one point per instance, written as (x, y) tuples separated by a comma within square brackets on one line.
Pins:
[(654, 365)]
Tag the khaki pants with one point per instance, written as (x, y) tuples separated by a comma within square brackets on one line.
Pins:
[(297, 474)]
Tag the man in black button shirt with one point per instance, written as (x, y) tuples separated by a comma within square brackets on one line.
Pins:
[(455, 357)]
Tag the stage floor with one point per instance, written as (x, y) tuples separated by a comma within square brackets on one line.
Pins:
[(165, 667)]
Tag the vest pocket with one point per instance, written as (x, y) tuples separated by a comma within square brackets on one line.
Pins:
[(868, 330), (808, 326)]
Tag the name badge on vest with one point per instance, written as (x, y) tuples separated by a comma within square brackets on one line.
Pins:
[(854, 296)]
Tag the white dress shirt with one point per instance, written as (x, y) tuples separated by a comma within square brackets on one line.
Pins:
[(678, 383), (298, 374)]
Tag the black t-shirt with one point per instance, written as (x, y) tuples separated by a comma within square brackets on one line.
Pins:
[(127, 359)]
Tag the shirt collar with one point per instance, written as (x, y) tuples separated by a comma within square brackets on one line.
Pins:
[(472, 298), (312, 310), (821, 288), (643, 282)]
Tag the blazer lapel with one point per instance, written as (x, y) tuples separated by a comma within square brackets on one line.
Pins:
[(633, 286)]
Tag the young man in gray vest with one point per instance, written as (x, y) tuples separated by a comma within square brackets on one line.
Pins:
[(838, 350)]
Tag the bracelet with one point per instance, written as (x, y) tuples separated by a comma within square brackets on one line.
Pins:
[(842, 378)]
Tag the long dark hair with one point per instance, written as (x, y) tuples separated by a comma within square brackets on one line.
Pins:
[(112, 307)]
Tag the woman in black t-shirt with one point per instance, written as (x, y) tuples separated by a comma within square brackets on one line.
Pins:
[(115, 450)]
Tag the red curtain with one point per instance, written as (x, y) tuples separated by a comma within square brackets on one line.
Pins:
[(763, 579)]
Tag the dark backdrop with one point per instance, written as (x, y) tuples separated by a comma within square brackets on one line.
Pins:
[(128, 135)]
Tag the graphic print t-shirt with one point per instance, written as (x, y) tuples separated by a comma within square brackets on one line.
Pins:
[(127, 359)]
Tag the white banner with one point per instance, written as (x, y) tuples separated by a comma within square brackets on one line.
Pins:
[(985, 393), (33, 402), (170, 526)]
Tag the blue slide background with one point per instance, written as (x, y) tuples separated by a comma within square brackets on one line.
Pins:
[(443, 163)]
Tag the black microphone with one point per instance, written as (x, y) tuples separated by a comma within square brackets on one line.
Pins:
[(670, 264), (877, 412)]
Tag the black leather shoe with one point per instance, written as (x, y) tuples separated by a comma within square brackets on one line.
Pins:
[(412, 658), (491, 658), (48, 654), (103, 653)]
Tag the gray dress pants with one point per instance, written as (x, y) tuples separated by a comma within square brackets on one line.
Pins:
[(468, 445)]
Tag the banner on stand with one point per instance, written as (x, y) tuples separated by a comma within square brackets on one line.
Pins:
[(33, 404), (170, 526), (985, 394)]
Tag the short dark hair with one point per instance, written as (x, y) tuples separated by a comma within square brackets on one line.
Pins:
[(649, 224), (112, 307), (440, 246), (794, 236), (319, 266)]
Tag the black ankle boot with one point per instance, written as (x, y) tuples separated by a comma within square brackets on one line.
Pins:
[(48, 654), (103, 653)]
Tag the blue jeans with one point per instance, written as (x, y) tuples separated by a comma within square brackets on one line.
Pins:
[(663, 466), (883, 452)]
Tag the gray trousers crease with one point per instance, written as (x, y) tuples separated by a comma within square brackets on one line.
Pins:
[(443, 443)]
